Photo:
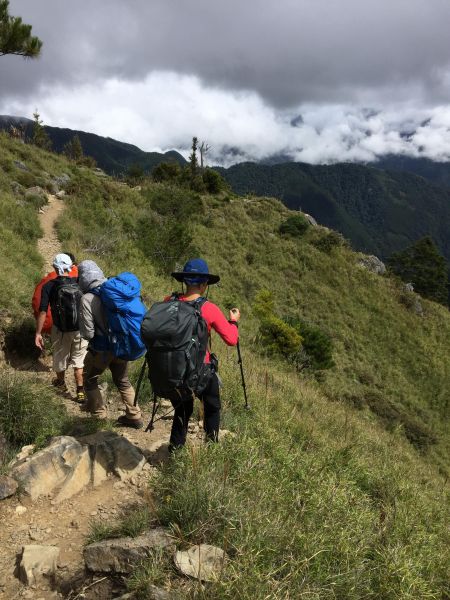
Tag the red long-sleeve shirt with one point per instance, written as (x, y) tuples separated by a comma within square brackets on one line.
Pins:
[(215, 319)]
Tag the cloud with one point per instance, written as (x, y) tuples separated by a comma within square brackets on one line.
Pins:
[(165, 110), (289, 52)]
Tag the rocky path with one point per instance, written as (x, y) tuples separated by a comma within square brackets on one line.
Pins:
[(68, 523), (48, 244)]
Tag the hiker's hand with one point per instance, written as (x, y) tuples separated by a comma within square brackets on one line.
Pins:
[(39, 341), (235, 314)]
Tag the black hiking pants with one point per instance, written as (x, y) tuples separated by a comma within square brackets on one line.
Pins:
[(183, 412)]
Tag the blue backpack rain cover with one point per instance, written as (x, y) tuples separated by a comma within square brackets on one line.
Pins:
[(121, 299)]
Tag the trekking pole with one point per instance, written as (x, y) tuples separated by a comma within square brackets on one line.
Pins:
[(242, 373), (139, 382)]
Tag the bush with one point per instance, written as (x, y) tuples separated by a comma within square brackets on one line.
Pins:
[(166, 172), (327, 243), (30, 413), (317, 347), (294, 226), (278, 337), (214, 182)]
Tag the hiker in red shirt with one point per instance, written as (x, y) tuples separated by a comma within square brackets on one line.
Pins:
[(197, 278)]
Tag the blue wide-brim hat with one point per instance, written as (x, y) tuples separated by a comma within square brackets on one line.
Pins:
[(196, 271)]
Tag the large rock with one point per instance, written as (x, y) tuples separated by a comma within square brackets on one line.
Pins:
[(373, 264), (204, 562), (68, 465), (61, 181), (311, 220), (121, 555), (51, 468), (35, 191), (38, 564), (113, 453), (8, 486)]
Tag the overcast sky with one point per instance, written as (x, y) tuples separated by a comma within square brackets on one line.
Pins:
[(314, 80)]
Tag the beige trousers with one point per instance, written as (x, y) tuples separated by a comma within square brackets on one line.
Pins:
[(95, 364), (69, 349)]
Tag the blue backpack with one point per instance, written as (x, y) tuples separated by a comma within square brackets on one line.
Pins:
[(121, 299)]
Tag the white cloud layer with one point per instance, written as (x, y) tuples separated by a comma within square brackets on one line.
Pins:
[(164, 111)]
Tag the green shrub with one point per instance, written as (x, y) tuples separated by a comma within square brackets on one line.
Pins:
[(278, 337), (328, 242), (317, 346), (294, 226), (37, 201), (166, 172), (214, 182), (30, 413)]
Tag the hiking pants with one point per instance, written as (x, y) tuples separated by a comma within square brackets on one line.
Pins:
[(183, 412), (95, 364)]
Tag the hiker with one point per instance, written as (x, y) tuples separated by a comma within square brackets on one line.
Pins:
[(95, 328), (63, 295), (36, 299), (196, 277)]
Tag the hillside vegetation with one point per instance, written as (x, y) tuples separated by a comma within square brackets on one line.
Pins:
[(380, 211), (336, 485)]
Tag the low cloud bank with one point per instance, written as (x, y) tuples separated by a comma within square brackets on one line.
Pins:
[(166, 109)]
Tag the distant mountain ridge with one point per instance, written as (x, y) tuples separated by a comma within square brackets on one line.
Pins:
[(111, 155), (380, 207)]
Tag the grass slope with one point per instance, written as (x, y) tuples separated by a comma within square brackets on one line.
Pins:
[(336, 484), (379, 211)]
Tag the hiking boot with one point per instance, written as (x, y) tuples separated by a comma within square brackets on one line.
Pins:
[(81, 398), (124, 421), (60, 385)]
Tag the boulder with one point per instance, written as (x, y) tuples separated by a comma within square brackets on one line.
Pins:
[(50, 468), (36, 191), (20, 165), (311, 220), (204, 562), (373, 264), (8, 486), (78, 478), (60, 194), (38, 564), (112, 453), (62, 180), (121, 555)]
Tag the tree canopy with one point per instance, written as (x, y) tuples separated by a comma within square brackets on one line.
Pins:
[(422, 265), (15, 36)]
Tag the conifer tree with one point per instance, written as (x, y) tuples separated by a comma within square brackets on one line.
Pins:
[(193, 161), (73, 149), (422, 265), (15, 36), (40, 137)]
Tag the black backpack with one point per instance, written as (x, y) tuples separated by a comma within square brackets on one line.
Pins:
[(176, 337), (65, 304)]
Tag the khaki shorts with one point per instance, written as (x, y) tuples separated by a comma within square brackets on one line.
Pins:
[(69, 349)]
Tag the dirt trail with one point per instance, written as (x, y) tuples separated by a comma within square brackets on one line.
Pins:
[(68, 524), (48, 244)]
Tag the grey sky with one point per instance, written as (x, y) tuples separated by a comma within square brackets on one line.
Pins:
[(289, 54)]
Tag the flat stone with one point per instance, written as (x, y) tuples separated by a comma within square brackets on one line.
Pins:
[(79, 477), (8, 486), (121, 555), (203, 562), (47, 470), (38, 564), (112, 453)]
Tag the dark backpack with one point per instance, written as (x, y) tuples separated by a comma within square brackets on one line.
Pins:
[(65, 304), (176, 336), (121, 299)]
